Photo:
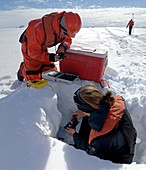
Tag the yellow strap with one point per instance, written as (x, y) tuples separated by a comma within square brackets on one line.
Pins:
[(37, 84)]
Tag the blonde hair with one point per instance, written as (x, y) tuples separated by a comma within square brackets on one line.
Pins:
[(94, 97)]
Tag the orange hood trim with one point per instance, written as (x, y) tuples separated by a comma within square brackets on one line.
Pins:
[(113, 117)]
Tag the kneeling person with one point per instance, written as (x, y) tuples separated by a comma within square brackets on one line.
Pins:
[(107, 130)]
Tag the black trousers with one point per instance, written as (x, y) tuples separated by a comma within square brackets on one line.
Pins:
[(130, 30)]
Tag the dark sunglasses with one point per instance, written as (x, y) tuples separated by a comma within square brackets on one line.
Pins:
[(82, 105)]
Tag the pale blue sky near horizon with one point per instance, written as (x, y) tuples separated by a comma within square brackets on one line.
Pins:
[(14, 4)]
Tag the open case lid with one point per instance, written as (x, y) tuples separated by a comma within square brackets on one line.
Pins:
[(59, 76)]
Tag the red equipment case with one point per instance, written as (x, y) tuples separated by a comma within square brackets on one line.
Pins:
[(87, 65)]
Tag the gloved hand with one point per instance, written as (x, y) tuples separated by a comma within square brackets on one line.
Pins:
[(58, 57), (61, 55), (62, 48), (54, 57)]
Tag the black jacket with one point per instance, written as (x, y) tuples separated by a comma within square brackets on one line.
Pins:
[(113, 146)]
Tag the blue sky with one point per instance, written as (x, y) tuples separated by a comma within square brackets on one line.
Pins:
[(11, 4)]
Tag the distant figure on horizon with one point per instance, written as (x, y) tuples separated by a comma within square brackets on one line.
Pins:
[(130, 25)]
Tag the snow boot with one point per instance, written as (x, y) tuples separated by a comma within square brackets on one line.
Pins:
[(19, 76)]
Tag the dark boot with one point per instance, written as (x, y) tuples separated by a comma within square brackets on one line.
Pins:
[(19, 74)]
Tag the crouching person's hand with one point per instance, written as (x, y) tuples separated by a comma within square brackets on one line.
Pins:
[(70, 131), (80, 114)]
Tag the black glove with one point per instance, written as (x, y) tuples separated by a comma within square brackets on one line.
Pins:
[(61, 55), (63, 45), (52, 57)]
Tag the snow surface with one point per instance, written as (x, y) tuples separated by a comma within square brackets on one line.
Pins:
[(30, 118)]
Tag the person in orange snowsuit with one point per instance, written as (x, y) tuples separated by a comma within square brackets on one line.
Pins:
[(41, 34), (130, 25)]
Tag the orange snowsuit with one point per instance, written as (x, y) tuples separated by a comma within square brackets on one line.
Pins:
[(39, 35)]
